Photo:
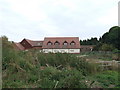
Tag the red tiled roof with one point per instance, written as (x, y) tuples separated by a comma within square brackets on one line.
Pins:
[(87, 46), (34, 43), (19, 46), (61, 40), (37, 43)]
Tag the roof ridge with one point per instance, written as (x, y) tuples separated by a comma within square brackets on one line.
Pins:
[(20, 46), (61, 37), (28, 39), (38, 41)]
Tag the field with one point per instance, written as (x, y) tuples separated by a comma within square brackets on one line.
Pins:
[(33, 69)]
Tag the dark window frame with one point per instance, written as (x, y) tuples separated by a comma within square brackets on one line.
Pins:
[(56, 43), (65, 43), (72, 43), (49, 43)]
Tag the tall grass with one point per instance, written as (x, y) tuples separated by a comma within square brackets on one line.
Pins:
[(32, 69)]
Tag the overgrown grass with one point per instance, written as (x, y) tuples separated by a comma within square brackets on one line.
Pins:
[(32, 69)]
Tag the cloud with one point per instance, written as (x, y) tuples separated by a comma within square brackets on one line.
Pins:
[(110, 17), (34, 19)]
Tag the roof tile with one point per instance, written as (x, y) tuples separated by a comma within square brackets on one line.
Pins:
[(34, 43), (19, 46), (61, 40)]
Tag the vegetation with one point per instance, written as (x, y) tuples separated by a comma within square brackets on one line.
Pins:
[(108, 42), (112, 37), (92, 41), (32, 69)]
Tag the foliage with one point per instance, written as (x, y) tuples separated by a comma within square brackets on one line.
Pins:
[(32, 69), (108, 41), (112, 37), (107, 79), (92, 41), (106, 47)]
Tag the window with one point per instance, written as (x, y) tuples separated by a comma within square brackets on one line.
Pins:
[(38, 44), (56, 43), (49, 43), (65, 43), (72, 43)]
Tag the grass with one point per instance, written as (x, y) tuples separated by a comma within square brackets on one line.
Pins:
[(32, 69)]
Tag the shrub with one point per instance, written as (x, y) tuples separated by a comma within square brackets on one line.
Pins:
[(107, 78), (33, 69)]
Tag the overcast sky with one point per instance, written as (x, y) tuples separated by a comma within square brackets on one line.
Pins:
[(36, 19)]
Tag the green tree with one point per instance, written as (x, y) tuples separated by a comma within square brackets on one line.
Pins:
[(92, 41), (112, 37), (106, 47)]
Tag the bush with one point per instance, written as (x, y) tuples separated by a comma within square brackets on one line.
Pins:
[(32, 69), (107, 47), (107, 78)]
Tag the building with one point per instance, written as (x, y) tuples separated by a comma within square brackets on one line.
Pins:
[(61, 44), (51, 44), (26, 44), (86, 48)]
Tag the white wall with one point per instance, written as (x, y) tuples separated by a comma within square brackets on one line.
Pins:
[(74, 51), (62, 50)]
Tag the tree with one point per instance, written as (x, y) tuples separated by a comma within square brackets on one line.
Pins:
[(106, 47), (112, 37), (92, 41)]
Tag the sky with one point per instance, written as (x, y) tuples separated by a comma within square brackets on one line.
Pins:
[(36, 19)]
